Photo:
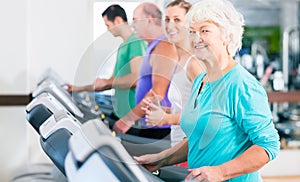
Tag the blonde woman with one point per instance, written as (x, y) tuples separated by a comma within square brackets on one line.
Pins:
[(186, 70)]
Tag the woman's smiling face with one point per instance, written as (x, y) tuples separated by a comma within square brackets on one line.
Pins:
[(207, 36), (175, 24)]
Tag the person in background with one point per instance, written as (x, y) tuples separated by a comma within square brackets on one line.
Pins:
[(186, 70), (156, 70), (229, 136), (129, 57)]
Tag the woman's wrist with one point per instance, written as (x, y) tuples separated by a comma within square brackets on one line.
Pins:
[(164, 157), (166, 119), (171, 119)]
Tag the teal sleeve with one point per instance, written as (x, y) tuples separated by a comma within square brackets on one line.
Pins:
[(254, 117), (137, 48)]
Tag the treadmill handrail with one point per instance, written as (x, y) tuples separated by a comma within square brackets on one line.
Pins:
[(79, 142), (88, 140), (65, 98), (47, 100), (51, 125)]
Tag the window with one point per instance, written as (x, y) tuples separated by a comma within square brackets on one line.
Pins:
[(99, 7)]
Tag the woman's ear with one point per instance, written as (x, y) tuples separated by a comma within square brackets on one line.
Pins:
[(227, 40)]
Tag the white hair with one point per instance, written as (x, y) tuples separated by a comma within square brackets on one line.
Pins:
[(222, 13)]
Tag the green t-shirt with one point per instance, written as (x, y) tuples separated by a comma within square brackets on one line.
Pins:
[(125, 98)]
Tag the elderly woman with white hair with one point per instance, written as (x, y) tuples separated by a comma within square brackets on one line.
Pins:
[(227, 120)]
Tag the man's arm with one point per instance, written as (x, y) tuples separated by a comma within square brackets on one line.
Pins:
[(129, 80), (90, 87), (124, 82), (73, 88), (162, 60)]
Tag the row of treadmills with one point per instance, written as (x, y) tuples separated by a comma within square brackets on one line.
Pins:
[(75, 134)]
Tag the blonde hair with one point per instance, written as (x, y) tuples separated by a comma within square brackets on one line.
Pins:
[(181, 3), (222, 13)]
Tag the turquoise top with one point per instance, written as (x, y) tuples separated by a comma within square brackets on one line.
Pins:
[(227, 117), (125, 98)]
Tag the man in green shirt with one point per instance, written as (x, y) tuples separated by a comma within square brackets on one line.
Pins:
[(129, 57)]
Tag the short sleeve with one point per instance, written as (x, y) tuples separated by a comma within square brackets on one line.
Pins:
[(137, 47)]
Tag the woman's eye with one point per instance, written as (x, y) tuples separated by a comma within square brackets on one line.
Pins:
[(177, 20), (192, 31)]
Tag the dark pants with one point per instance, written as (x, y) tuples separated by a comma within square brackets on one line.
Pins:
[(156, 133)]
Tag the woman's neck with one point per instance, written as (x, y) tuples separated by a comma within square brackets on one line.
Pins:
[(217, 70), (183, 50), (184, 45)]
